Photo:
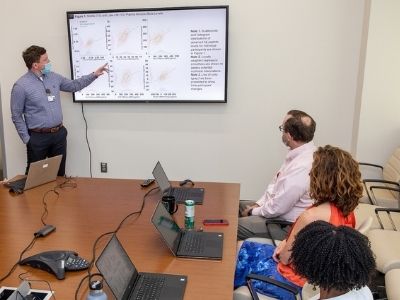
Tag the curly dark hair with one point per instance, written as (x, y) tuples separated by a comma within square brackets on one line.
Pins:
[(32, 55), (333, 257), (300, 125), (335, 177)]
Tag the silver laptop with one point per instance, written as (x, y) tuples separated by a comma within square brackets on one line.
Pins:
[(187, 244), (40, 172), (181, 194), (126, 282)]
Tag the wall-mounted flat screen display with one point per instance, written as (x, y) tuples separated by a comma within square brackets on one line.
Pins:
[(176, 54)]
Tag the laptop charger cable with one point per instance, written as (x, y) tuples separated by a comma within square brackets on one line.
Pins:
[(185, 182)]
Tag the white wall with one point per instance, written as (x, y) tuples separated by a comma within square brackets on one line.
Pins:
[(379, 132), (282, 55)]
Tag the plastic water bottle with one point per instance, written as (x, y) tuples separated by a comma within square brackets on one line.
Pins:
[(96, 291)]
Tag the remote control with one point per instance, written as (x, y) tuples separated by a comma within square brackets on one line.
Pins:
[(147, 182)]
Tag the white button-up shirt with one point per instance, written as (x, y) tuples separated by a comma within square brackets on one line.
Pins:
[(287, 196)]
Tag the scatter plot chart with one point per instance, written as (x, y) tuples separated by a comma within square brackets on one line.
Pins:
[(160, 55)]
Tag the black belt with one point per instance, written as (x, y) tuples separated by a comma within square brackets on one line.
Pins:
[(47, 130)]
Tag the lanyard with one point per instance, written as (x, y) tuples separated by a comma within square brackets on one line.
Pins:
[(50, 97)]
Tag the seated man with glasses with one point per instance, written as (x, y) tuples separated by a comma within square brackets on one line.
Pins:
[(287, 196)]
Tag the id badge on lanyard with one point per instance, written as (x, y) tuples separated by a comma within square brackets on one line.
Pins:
[(50, 97)]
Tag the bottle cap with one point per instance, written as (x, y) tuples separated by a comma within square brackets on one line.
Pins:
[(96, 285)]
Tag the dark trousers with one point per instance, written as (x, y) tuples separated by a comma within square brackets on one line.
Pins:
[(43, 145)]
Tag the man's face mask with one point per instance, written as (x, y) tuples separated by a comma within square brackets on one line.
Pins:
[(46, 69)]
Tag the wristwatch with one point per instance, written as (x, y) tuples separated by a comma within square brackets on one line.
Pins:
[(249, 212)]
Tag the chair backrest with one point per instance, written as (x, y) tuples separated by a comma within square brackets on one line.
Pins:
[(391, 170), (365, 226), (392, 286)]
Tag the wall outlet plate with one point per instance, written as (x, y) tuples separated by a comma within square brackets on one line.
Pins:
[(103, 167)]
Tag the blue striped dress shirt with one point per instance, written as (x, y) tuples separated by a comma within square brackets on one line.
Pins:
[(35, 101)]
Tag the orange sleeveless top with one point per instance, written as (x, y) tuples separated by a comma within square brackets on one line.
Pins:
[(336, 219)]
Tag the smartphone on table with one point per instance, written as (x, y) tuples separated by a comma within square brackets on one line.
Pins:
[(217, 222)]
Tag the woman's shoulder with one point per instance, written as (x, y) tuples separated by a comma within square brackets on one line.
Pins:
[(316, 213)]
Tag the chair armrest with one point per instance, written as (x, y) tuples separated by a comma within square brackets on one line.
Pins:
[(382, 181), (370, 165), (365, 181), (270, 280), (381, 187), (388, 210), (275, 221)]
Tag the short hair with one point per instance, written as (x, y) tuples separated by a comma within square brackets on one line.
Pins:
[(333, 257), (300, 125), (32, 55), (335, 177)]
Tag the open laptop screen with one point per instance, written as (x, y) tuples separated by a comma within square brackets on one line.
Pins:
[(117, 268), (167, 227), (161, 177)]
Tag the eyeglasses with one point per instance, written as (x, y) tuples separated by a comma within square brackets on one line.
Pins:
[(281, 128)]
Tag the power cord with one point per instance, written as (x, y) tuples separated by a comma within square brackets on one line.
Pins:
[(20, 258), (136, 212), (91, 263), (38, 280), (68, 183), (45, 210), (87, 141), (79, 286), (186, 181)]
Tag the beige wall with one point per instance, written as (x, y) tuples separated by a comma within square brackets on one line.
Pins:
[(282, 55), (379, 132)]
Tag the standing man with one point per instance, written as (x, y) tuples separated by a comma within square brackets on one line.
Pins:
[(36, 107), (287, 196)]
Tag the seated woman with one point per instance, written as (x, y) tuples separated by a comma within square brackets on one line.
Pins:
[(335, 186), (337, 259)]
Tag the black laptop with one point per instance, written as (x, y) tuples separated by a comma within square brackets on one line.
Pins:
[(188, 244), (181, 194), (126, 282)]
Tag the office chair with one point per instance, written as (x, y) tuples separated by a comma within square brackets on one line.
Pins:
[(385, 243), (308, 291), (383, 188)]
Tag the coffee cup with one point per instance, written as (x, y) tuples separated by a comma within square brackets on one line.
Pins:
[(170, 204)]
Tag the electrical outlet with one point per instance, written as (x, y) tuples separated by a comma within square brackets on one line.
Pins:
[(103, 167)]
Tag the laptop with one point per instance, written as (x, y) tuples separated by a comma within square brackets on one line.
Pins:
[(181, 194), (40, 172), (187, 244), (126, 282)]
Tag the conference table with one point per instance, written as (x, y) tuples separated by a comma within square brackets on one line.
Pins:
[(82, 209)]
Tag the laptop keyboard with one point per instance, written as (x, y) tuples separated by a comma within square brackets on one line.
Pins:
[(18, 185), (192, 243), (184, 194), (150, 288)]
